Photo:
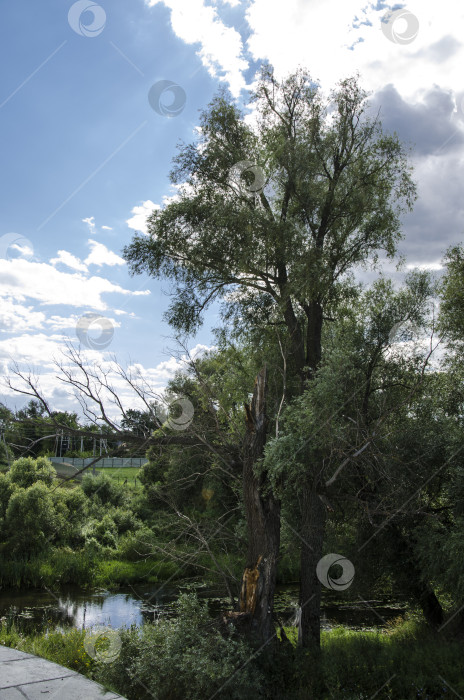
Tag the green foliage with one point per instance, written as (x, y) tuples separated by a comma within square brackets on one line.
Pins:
[(114, 572), (187, 657), (334, 188), (52, 568), (31, 521), (134, 545), (452, 295), (182, 658), (103, 531), (26, 471), (62, 647), (102, 489), (6, 489)]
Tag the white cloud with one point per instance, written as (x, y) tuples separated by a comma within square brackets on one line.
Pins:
[(90, 221), (70, 260), (101, 255), (107, 228), (17, 318), (58, 323), (37, 351), (221, 46), (425, 266), (334, 39), (138, 222), (21, 280)]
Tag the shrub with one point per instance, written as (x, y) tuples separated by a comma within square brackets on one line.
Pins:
[(183, 657), (135, 545), (27, 471), (6, 489), (124, 520), (103, 489), (104, 531), (31, 522)]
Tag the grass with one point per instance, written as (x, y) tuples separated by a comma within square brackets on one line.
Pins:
[(116, 572), (407, 660), (120, 474), (404, 662), (65, 567)]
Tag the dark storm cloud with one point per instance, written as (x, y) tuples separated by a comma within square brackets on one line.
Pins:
[(430, 126), (437, 221), (435, 130)]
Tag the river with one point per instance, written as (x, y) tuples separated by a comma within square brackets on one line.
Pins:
[(38, 610)]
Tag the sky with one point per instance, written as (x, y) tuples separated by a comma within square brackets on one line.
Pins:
[(95, 97)]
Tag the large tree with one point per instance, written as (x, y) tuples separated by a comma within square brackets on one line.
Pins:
[(273, 214)]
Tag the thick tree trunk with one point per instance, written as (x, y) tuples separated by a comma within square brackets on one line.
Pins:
[(410, 576), (431, 607), (313, 511), (263, 520), (312, 532)]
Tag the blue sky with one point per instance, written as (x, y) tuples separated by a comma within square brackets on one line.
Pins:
[(85, 157)]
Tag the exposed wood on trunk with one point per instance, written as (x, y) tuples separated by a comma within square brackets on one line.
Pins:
[(262, 512), (249, 592)]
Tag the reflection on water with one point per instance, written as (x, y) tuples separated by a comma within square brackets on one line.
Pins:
[(38, 610)]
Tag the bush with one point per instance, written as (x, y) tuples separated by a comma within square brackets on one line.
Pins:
[(125, 520), (182, 658), (103, 489), (135, 545), (27, 471), (31, 522), (6, 489), (104, 531)]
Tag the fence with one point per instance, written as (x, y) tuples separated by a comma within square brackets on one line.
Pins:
[(114, 462)]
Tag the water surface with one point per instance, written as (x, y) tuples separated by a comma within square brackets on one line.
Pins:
[(72, 607)]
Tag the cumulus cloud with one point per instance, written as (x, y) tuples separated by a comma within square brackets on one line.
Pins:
[(39, 351), (335, 39), (138, 222), (437, 220), (101, 255), (221, 47), (426, 124), (70, 260), (21, 280), (17, 318)]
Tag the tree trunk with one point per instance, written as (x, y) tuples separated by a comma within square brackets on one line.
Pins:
[(411, 578), (431, 607), (313, 511), (312, 532), (262, 512)]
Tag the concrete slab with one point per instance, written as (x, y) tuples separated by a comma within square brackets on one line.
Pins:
[(72, 688), (25, 676), (30, 670), (11, 694), (7, 654)]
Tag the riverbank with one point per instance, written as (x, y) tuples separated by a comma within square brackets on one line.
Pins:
[(66, 567), (406, 660)]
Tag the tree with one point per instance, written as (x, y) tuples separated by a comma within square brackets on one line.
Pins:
[(31, 521), (27, 471), (142, 423), (271, 220), (452, 295)]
